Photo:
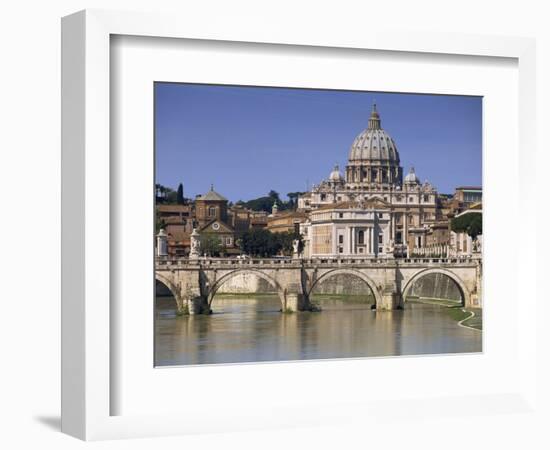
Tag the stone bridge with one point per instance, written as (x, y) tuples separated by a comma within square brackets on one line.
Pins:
[(194, 282)]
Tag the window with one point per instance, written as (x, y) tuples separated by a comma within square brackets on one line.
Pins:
[(341, 215), (398, 237), (323, 197), (380, 215), (361, 250), (340, 239), (212, 211), (228, 241), (411, 199), (380, 238), (361, 237), (426, 198), (340, 250)]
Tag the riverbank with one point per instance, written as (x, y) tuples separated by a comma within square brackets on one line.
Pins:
[(465, 317)]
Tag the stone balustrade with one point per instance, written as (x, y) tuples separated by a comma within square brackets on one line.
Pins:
[(166, 262)]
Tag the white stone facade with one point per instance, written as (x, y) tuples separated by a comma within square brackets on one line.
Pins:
[(348, 229), (374, 183)]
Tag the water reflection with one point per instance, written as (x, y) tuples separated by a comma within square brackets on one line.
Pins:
[(252, 329)]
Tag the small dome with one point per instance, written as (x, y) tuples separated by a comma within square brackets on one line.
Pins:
[(373, 143), (411, 177), (335, 175)]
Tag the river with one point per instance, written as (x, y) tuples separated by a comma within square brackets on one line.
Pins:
[(251, 329)]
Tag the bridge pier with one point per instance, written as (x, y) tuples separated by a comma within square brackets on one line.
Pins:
[(390, 300), (296, 302), (198, 305)]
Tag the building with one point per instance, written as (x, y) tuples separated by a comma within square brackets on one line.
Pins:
[(178, 222), (214, 220), (209, 207), (285, 221), (373, 180), (258, 219), (348, 228), (464, 197)]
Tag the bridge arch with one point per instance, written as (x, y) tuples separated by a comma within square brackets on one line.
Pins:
[(259, 273), (460, 284), (354, 272), (170, 285)]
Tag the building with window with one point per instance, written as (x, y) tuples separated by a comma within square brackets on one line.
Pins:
[(210, 206), (214, 220), (373, 176), (464, 197), (177, 221), (285, 221), (348, 228)]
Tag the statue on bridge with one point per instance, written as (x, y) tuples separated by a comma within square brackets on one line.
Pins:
[(295, 248), (194, 253)]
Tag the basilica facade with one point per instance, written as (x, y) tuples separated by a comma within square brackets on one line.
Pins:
[(372, 209)]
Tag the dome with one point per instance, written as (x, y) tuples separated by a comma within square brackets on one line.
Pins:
[(335, 175), (374, 143), (411, 177)]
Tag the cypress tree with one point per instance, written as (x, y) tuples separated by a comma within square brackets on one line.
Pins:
[(179, 197)]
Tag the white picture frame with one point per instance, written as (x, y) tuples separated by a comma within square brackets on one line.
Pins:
[(87, 288)]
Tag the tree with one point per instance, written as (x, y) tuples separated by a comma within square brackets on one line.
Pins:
[(170, 196), (287, 239), (293, 199), (471, 223), (211, 244), (179, 196), (165, 194), (264, 243), (259, 242), (266, 203)]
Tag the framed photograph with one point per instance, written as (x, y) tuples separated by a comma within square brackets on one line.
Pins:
[(306, 211)]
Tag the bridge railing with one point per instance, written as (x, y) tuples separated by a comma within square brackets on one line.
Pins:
[(289, 262)]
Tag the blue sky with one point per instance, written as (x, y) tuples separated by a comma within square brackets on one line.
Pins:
[(249, 140)]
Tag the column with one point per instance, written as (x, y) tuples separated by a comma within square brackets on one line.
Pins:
[(371, 233), (352, 241)]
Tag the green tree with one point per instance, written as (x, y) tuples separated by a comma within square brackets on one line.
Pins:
[(170, 196), (266, 203), (211, 244), (259, 242), (165, 194), (179, 195), (264, 243), (287, 239), (471, 223)]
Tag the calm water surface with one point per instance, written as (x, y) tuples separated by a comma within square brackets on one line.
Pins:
[(252, 329)]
